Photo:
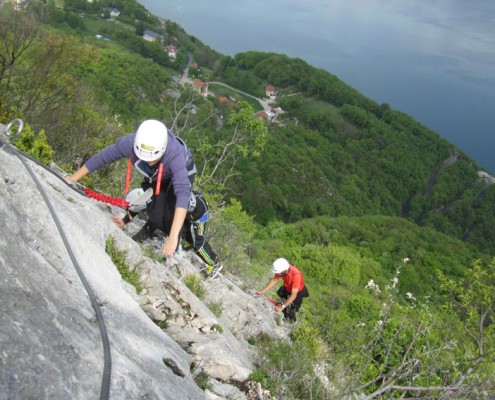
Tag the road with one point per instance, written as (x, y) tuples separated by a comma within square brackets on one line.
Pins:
[(265, 103)]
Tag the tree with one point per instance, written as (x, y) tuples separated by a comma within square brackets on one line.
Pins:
[(217, 150), (17, 33), (245, 137), (36, 68), (411, 350)]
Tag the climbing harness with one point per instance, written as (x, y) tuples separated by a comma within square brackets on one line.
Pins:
[(107, 367)]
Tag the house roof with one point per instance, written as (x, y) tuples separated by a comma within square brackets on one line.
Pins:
[(152, 34), (199, 83)]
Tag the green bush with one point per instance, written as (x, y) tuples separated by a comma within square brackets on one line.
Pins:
[(306, 336), (35, 145)]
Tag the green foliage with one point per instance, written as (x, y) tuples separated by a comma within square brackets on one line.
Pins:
[(337, 264), (117, 77), (35, 145), (287, 368), (118, 258), (203, 381), (260, 376), (472, 299), (195, 285), (306, 336), (401, 342), (349, 251), (151, 252), (230, 232)]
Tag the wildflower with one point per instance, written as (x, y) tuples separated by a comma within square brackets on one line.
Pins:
[(372, 286), (406, 260), (410, 296), (361, 325), (379, 324)]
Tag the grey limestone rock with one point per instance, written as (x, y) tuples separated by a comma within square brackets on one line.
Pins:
[(50, 342)]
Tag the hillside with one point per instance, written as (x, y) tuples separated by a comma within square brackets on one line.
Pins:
[(392, 226), (331, 152), (336, 152)]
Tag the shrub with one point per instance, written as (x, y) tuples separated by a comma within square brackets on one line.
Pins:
[(35, 146)]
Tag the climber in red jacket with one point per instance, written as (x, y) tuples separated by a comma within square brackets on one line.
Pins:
[(291, 292)]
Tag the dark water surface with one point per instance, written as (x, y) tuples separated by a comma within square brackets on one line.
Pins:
[(434, 60)]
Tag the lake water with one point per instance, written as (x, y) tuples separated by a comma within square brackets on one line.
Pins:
[(432, 59)]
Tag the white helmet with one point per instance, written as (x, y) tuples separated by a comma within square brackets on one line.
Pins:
[(151, 140), (280, 265), (132, 196)]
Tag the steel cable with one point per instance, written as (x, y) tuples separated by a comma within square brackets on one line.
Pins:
[(107, 369)]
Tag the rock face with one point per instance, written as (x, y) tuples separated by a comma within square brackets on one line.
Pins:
[(50, 341)]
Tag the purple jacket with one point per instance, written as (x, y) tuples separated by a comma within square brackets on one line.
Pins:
[(176, 162)]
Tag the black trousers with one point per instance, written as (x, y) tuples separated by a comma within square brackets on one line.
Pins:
[(290, 311), (161, 211), (194, 234), (161, 208)]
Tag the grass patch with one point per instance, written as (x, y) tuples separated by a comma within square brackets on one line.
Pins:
[(313, 104), (151, 252), (216, 308), (195, 285), (118, 258), (220, 90)]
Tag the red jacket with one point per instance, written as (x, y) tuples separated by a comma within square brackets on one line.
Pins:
[(294, 279)]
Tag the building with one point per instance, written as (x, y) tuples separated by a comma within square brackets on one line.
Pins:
[(114, 12), (151, 36), (271, 92), (201, 87), (171, 51)]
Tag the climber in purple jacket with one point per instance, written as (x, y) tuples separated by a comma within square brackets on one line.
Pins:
[(167, 167)]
